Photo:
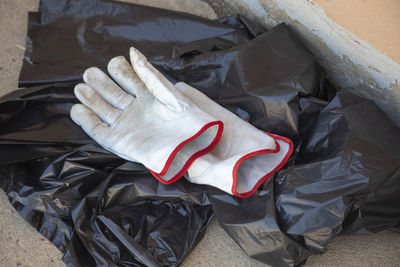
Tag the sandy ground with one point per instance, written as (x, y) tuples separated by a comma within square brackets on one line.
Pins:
[(22, 245)]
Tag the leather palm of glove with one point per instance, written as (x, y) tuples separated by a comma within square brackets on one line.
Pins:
[(243, 159), (146, 121)]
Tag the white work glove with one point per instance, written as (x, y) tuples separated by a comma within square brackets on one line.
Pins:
[(149, 121), (244, 158)]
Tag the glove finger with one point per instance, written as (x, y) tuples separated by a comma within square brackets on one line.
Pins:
[(106, 87), (155, 82), (123, 73), (90, 123), (96, 103)]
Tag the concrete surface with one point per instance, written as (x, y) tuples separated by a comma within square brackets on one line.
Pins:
[(22, 245)]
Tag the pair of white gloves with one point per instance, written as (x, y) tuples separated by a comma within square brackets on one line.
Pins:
[(174, 129)]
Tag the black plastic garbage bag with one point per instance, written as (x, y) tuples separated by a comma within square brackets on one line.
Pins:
[(81, 34), (345, 178), (93, 205), (101, 210)]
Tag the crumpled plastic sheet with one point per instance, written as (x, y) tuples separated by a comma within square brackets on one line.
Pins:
[(100, 210)]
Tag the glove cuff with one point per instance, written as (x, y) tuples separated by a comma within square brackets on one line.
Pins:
[(244, 194), (195, 154)]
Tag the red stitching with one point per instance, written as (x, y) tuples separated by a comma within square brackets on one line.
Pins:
[(268, 175), (193, 157)]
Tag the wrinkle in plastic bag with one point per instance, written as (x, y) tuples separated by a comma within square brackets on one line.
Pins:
[(85, 194), (349, 184), (99, 210), (140, 221), (92, 32)]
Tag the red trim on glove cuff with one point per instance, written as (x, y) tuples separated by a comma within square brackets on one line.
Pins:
[(266, 176), (195, 156)]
